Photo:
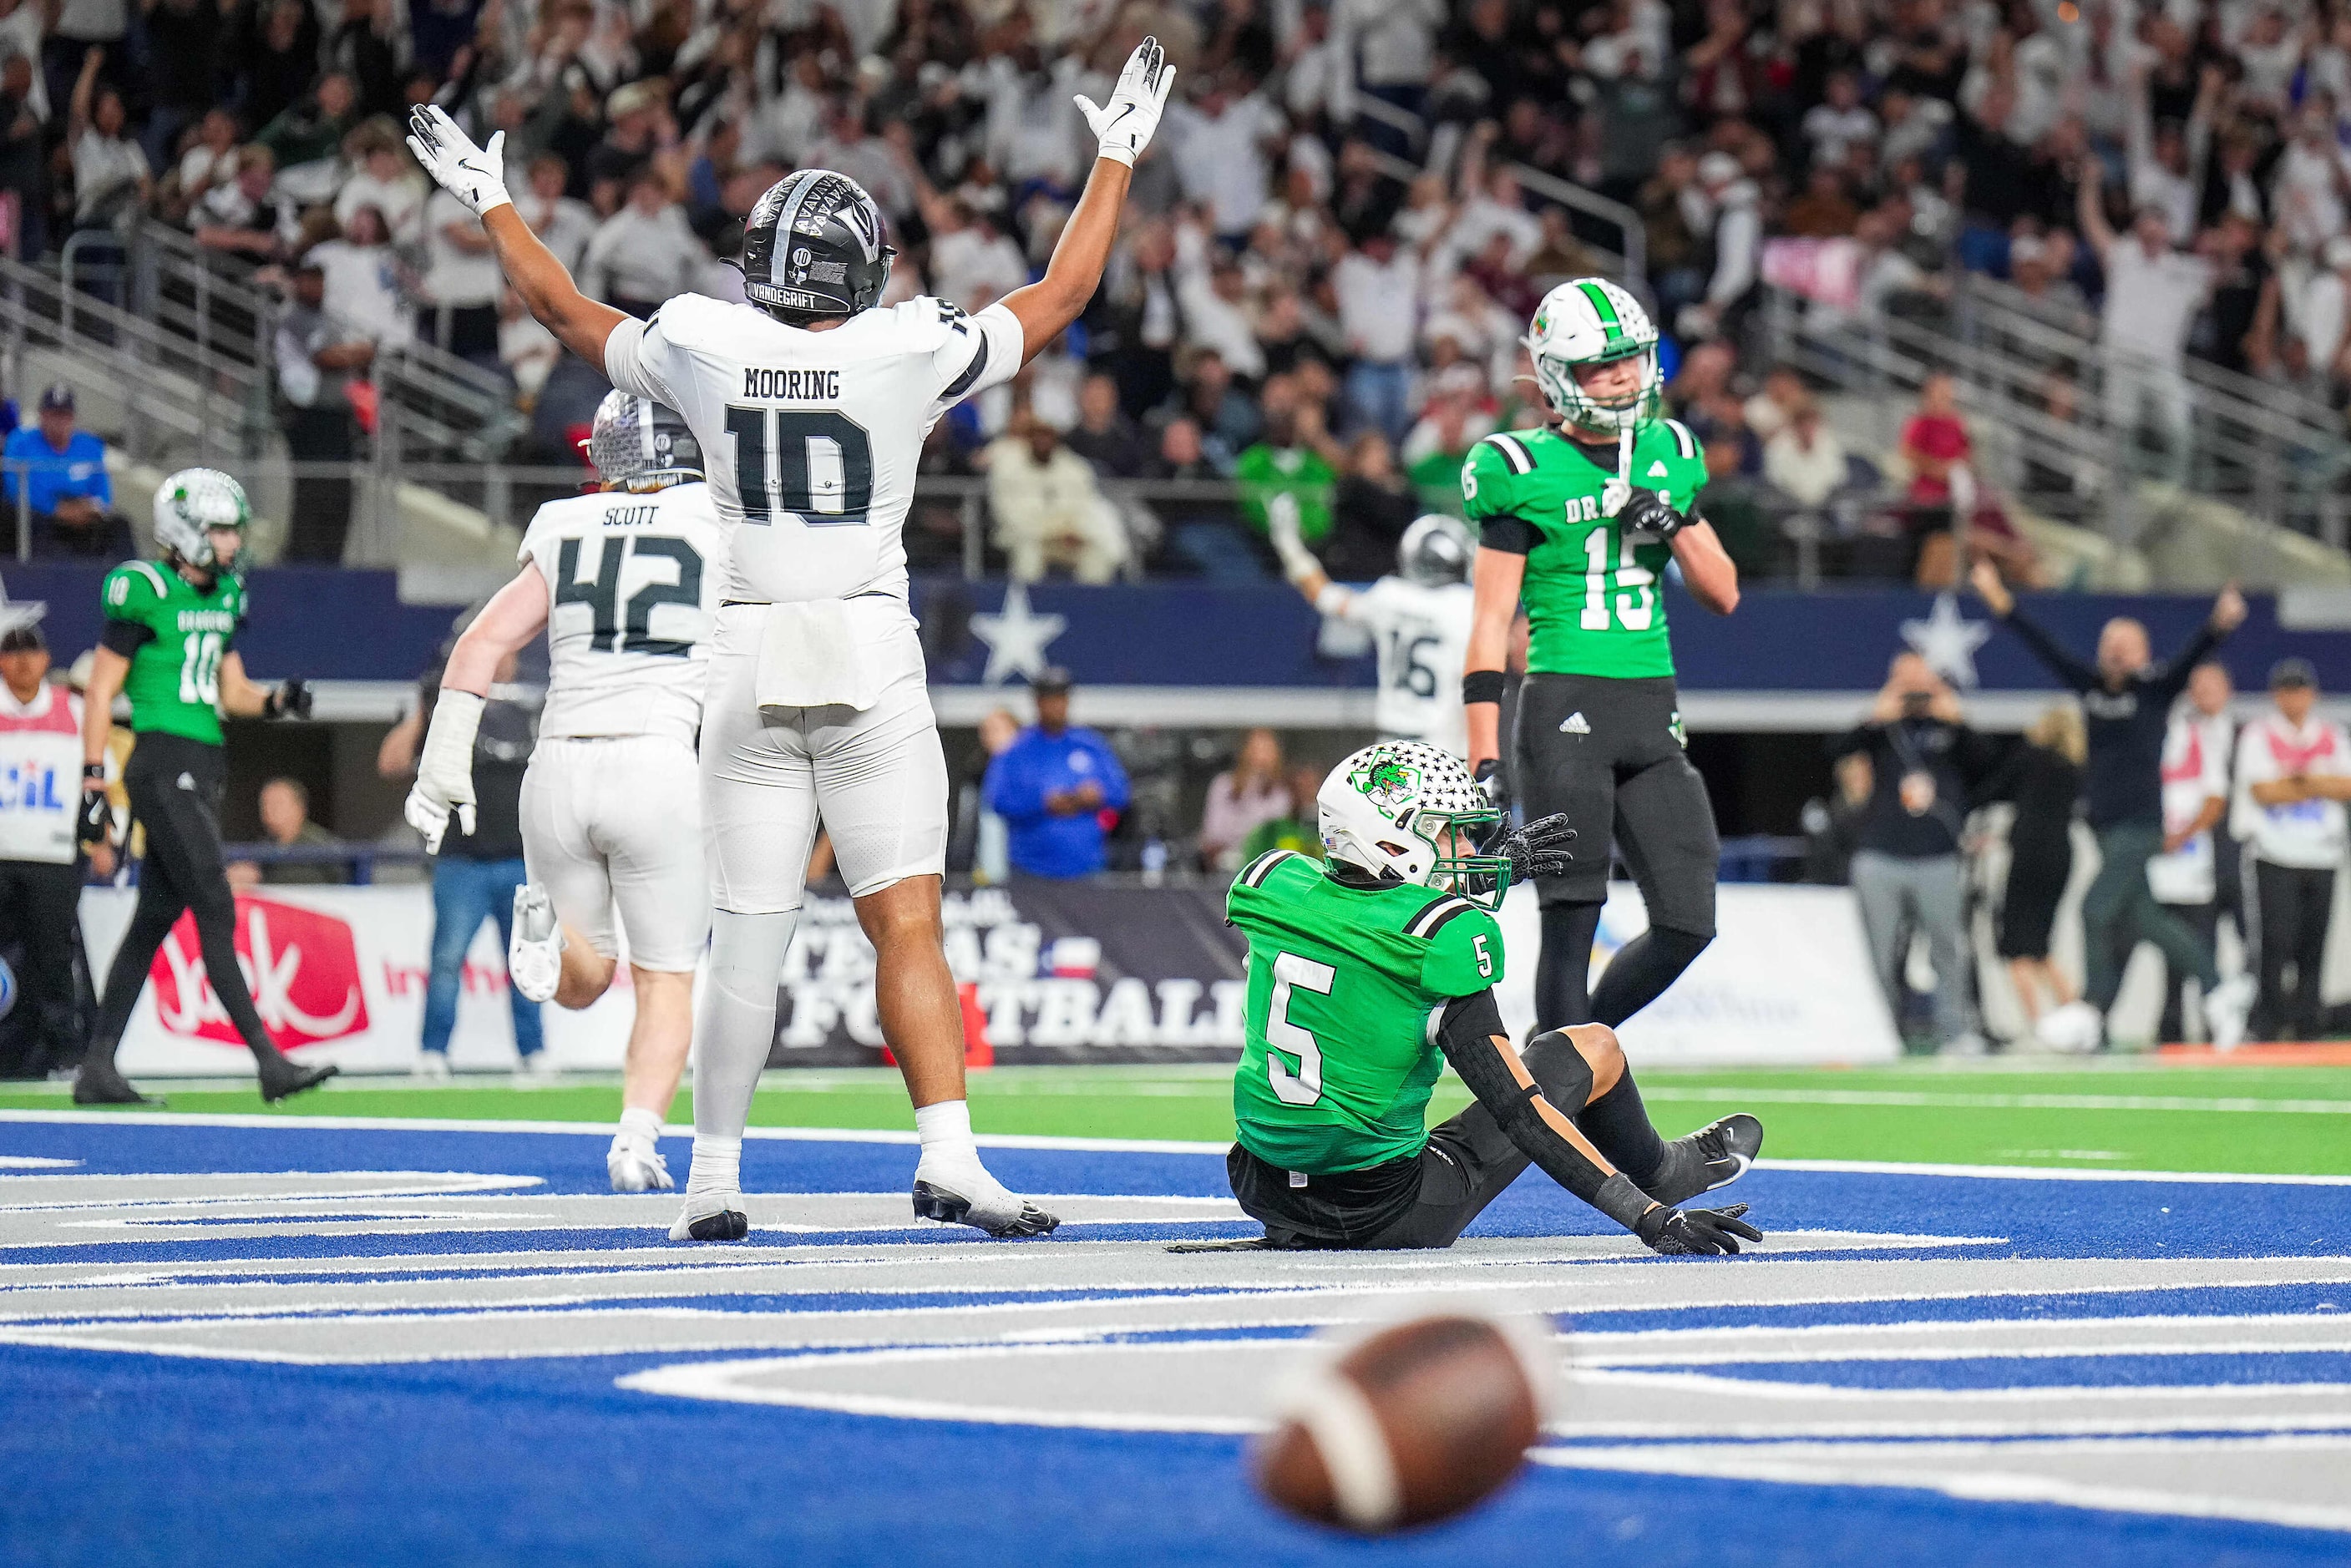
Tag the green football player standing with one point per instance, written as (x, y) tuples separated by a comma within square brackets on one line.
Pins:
[(1579, 519), (169, 646), (1366, 977)]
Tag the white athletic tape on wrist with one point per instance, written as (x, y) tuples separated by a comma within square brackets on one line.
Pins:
[(448, 753)]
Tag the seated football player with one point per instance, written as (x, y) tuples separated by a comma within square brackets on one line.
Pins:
[(1365, 978)]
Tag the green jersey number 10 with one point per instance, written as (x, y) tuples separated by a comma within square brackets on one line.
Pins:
[(1634, 611), (200, 662)]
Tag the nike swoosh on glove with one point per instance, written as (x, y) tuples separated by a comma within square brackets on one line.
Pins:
[(1124, 126), (1676, 1232), (1647, 511), (1538, 849), (474, 175)]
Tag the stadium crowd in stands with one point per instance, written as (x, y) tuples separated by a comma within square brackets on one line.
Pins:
[(1334, 246)]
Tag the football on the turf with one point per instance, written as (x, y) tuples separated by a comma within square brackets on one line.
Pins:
[(1416, 1424)]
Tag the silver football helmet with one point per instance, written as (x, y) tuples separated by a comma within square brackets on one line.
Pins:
[(192, 503), (1434, 551), (635, 443)]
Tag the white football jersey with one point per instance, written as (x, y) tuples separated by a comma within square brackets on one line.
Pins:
[(812, 438), (633, 583), (1423, 636)]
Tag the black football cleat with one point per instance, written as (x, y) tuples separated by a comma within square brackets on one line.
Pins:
[(933, 1202), (722, 1225), (1714, 1155), (279, 1077), (98, 1084)]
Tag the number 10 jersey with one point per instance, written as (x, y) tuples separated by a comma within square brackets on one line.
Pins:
[(814, 439), (633, 585)]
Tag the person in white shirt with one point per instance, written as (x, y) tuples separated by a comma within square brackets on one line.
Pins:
[(1378, 285), (385, 183), (40, 863), (2153, 296), (814, 406), (1419, 617), (2186, 874), (362, 278), (2293, 775), (563, 223), (109, 170), (645, 253), (462, 284), (625, 583), (1223, 147), (1049, 510)]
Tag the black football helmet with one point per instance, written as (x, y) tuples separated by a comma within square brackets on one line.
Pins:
[(814, 248)]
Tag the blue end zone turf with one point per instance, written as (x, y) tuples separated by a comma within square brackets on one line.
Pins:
[(171, 1445)]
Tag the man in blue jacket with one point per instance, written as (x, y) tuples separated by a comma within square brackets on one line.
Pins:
[(68, 493), (1054, 785)]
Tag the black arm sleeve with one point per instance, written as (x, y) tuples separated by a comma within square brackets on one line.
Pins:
[(1511, 535), (1466, 1032), (2173, 679), (2061, 663), (125, 637)]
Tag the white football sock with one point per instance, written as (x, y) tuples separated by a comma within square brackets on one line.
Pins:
[(946, 1128), (732, 1035), (717, 1169)]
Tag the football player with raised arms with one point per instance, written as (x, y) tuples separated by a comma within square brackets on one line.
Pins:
[(1369, 972), (1580, 519), (1419, 616), (625, 583), (811, 403)]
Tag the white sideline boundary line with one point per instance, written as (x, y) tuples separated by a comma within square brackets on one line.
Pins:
[(1081, 1145)]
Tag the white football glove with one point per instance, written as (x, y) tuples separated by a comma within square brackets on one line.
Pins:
[(1126, 122), (445, 771), (474, 175)]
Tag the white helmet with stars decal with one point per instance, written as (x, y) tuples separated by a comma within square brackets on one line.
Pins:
[(1591, 321), (1400, 808)]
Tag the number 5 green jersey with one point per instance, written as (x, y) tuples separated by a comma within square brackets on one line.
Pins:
[(1339, 1062), (176, 638), (1594, 605)]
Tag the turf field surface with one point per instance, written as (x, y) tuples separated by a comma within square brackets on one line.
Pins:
[(2129, 1114), (281, 1339)]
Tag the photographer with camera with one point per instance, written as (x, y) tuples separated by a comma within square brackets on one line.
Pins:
[(1906, 872)]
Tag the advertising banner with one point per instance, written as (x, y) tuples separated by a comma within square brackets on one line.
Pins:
[(1050, 971), (338, 974)]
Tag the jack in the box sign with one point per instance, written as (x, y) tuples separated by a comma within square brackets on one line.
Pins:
[(301, 966)]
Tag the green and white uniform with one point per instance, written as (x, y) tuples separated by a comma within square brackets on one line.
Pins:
[(182, 635), (1591, 591), (1339, 1059)]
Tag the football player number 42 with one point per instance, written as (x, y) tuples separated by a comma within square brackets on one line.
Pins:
[(811, 462), (1304, 1087)]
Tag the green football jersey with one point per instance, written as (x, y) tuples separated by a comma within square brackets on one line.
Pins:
[(174, 680), (1592, 597), (1339, 1059)]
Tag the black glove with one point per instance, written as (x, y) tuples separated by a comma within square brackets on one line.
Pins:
[(1684, 1230), (1538, 849), (1647, 513), (97, 821), (290, 701), (1496, 788)]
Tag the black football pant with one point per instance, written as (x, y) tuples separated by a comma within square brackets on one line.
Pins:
[(175, 791), (2290, 905), (1421, 1200), (40, 909), (1608, 752)]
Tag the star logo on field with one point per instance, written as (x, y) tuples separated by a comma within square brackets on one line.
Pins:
[(1017, 637), (1947, 642), (15, 613)]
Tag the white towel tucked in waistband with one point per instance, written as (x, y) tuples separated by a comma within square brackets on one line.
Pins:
[(812, 656)]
